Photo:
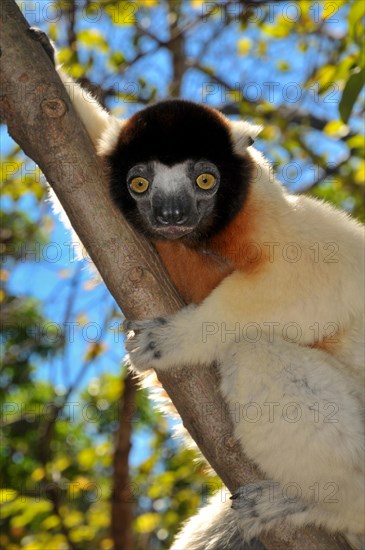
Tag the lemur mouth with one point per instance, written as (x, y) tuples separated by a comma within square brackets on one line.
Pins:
[(174, 231)]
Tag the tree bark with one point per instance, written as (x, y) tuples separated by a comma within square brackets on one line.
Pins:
[(123, 498), (41, 119)]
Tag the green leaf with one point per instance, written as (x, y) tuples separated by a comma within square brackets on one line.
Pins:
[(350, 94), (355, 21)]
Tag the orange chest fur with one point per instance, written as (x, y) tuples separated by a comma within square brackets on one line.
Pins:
[(194, 274)]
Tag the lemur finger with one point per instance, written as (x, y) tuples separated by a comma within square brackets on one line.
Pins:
[(37, 34), (143, 325)]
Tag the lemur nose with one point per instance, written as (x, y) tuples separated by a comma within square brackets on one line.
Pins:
[(171, 216)]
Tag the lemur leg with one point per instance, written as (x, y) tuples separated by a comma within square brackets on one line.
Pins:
[(96, 120), (299, 417)]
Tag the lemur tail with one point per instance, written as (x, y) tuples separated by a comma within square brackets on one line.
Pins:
[(215, 527)]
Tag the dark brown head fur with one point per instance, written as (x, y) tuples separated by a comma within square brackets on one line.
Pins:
[(172, 132)]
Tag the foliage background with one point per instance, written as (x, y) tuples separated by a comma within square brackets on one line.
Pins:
[(297, 68)]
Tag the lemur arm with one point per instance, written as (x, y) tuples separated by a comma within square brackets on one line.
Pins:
[(95, 119)]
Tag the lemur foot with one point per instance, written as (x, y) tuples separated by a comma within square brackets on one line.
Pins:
[(37, 34), (262, 505)]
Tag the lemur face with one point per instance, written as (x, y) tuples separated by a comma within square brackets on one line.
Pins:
[(176, 171), (175, 201)]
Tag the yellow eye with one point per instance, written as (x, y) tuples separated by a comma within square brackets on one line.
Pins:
[(139, 185), (205, 181)]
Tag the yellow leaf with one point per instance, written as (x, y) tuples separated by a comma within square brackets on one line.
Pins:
[(123, 13), (197, 4), (73, 518), (336, 129), (92, 38), (38, 474), (146, 523), (148, 3), (7, 495), (282, 65), (50, 523), (99, 514), (270, 132), (244, 46), (325, 75), (82, 533), (281, 29), (82, 482), (77, 70), (106, 544), (86, 458), (356, 142), (360, 173), (330, 9), (61, 463), (65, 55)]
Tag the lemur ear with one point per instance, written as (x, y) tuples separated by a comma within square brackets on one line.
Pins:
[(243, 134)]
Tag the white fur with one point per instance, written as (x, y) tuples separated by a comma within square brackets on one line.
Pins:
[(94, 117), (324, 449), (109, 136), (241, 132)]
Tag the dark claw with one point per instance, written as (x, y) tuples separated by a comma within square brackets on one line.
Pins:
[(126, 326), (130, 325), (143, 325), (162, 320)]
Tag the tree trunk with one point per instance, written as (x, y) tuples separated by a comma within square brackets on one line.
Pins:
[(123, 499)]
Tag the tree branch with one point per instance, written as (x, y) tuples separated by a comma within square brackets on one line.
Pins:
[(42, 121), (176, 48)]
